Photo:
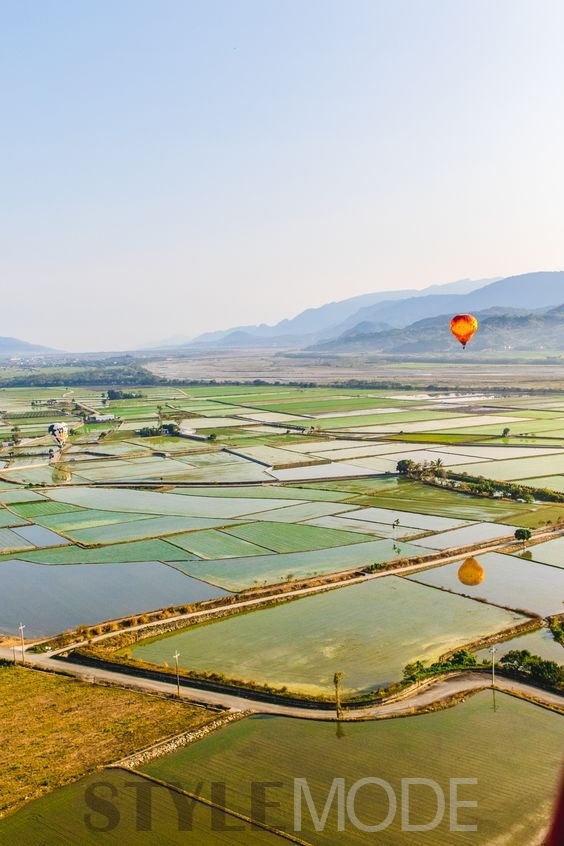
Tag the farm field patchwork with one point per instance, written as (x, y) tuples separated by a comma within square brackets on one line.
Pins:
[(215, 544), (165, 504), (304, 511), (147, 527), (521, 468), (148, 550), (224, 522), (366, 527), (292, 537), (424, 522), (241, 573)]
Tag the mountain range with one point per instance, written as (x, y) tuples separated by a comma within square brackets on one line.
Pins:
[(376, 318), (315, 324), (518, 312), (499, 329)]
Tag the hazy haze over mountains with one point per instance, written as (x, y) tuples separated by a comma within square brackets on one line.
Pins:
[(325, 321), (516, 311), (337, 325), (519, 312), (12, 347)]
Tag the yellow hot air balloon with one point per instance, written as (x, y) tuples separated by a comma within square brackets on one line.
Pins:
[(463, 327), (471, 573), (61, 474)]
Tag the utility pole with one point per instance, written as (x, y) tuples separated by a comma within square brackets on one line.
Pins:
[(176, 657), (21, 627)]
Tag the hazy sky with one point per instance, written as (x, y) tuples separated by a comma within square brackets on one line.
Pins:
[(175, 166)]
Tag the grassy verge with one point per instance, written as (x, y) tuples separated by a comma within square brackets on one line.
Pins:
[(55, 729)]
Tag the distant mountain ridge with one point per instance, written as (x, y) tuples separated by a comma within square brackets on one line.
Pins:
[(314, 324), (399, 310), (528, 290), (499, 329), (11, 347)]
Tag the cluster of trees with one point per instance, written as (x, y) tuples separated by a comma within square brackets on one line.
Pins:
[(518, 663), (557, 629), (426, 471), (460, 660), (126, 373), (521, 664), (433, 471), (155, 431), (114, 394)]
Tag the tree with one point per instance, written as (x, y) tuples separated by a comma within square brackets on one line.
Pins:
[(505, 432), (337, 679), (405, 467), (523, 535), (16, 434), (438, 468), (411, 672)]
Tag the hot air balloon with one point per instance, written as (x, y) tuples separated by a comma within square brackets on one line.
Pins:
[(61, 474), (60, 432), (463, 327), (471, 573)]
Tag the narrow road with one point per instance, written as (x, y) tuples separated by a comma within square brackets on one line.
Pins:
[(437, 692)]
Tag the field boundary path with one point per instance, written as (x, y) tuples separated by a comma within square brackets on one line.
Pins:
[(436, 693)]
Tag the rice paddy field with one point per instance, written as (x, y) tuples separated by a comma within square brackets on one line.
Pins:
[(55, 597), (433, 746), (369, 632), (267, 484)]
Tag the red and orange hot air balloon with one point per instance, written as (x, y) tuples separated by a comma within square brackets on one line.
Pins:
[(463, 327)]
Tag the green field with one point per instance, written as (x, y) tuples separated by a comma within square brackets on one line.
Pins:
[(369, 632), (149, 550), (471, 741), (288, 537), (64, 817), (240, 573), (215, 544)]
